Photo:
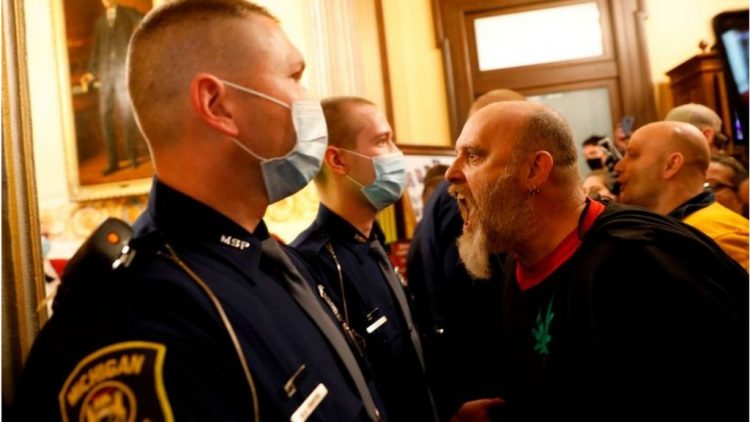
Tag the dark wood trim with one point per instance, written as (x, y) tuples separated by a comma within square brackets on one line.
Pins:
[(633, 64), (624, 60), (412, 149)]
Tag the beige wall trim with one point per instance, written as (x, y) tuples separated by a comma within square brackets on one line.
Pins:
[(22, 274)]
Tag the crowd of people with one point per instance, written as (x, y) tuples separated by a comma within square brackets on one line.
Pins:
[(532, 294)]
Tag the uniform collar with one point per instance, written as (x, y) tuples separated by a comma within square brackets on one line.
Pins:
[(700, 201), (341, 230), (183, 219)]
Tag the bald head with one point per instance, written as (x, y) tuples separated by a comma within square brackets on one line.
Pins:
[(536, 128), (495, 96), (665, 165), (677, 137), (180, 39)]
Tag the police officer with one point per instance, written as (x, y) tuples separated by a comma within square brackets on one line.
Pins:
[(210, 318), (363, 173)]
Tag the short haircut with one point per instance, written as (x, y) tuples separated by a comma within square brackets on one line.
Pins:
[(547, 130), (697, 115), (172, 44), (739, 173), (593, 140), (342, 129)]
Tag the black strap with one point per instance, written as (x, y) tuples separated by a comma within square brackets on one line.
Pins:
[(306, 299)]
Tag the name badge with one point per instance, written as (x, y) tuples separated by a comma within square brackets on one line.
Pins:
[(310, 404), (377, 324)]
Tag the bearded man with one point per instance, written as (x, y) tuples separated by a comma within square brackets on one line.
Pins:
[(609, 311)]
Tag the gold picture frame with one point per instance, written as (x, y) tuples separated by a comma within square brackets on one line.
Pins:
[(105, 154)]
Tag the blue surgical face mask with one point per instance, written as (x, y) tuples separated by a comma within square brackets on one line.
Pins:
[(390, 178), (284, 176)]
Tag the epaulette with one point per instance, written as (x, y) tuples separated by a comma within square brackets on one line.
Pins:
[(104, 251), (311, 241)]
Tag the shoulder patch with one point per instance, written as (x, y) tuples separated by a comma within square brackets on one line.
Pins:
[(121, 382)]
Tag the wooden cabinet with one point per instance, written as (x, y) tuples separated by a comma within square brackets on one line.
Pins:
[(700, 79)]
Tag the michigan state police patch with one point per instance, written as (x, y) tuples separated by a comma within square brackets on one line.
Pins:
[(120, 382)]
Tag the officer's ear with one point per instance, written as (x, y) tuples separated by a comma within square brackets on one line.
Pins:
[(209, 99), (332, 159)]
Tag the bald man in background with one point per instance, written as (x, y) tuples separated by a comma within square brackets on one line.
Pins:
[(664, 170), (705, 119)]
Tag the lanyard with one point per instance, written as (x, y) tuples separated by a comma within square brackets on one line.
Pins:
[(172, 256)]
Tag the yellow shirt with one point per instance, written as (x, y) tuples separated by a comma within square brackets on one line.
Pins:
[(727, 228)]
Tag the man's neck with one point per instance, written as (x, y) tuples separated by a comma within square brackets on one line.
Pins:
[(675, 196), (221, 193), (556, 221), (356, 213)]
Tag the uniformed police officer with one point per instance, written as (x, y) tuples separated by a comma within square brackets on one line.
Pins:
[(363, 173), (211, 319)]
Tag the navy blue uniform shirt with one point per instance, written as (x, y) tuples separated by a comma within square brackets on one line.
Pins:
[(148, 340), (372, 311), (458, 317)]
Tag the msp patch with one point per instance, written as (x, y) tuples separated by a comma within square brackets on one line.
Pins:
[(121, 382)]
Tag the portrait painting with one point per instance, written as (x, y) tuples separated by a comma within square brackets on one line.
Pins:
[(106, 155)]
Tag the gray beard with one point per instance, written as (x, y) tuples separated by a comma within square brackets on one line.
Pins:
[(474, 253)]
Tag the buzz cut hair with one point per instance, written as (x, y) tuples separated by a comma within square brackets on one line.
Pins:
[(172, 43), (342, 129)]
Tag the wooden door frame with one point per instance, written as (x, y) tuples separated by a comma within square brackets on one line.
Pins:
[(629, 64)]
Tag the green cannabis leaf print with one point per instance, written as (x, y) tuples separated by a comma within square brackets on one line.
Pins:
[(541, 332)]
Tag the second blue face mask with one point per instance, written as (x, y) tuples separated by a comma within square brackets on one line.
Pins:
[(390, 179)]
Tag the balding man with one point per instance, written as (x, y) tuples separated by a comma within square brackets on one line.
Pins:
[(705, 119), (609, 312), (664, 170), (457, 315), (212, 320)]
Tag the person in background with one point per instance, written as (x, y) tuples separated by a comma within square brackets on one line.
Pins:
[(609, 312), (706, 120), (209, 319), (364, 172), (595, 154), (725, 176), (493, 96), (112, 33), (664, 170), (742, 192), (458, 316), (434, 176), (599, 185)]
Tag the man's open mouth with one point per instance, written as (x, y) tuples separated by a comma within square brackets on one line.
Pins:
[(465, 208)]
